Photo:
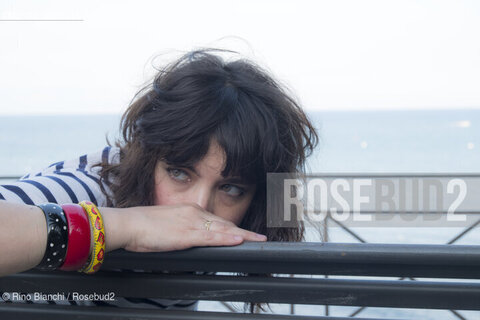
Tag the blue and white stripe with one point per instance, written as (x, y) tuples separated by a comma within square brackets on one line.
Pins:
[(68, 181)]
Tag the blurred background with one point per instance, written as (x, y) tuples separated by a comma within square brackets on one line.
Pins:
[(392, 86)]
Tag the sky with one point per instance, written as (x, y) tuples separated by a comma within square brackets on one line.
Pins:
[(332, 55)]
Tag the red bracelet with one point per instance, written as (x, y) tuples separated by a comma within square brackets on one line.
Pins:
[(79, 237)]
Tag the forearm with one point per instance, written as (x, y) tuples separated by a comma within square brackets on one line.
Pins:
[(23, 237), (116, 228)]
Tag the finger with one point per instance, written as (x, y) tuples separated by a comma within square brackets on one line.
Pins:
[(230, 228), (198, 211), (210, 216), (212, 238)]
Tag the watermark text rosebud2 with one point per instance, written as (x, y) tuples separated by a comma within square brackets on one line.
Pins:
[(377, 200)]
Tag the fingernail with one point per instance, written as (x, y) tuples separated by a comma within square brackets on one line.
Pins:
[(261, 236), (237, 238)]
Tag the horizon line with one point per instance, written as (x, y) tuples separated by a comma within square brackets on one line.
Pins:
[(308, 110)]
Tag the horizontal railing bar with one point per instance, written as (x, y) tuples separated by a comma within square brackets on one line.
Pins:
[(10, 177), (28, 312), (428, 261), (375, 293)]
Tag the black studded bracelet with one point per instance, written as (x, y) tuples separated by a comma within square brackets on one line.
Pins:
[(57, 237)]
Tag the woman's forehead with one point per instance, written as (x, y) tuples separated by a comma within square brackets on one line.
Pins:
[(213, 164)]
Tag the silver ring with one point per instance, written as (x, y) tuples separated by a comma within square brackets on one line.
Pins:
[(207, 224)]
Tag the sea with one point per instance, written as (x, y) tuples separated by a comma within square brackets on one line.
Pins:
[(445, 141)]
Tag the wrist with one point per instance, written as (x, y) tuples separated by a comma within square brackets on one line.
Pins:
[(117, 228), (40, 235)]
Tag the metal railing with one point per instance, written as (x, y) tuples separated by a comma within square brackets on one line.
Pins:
[(279, 258), (9, 177), (29, 312)]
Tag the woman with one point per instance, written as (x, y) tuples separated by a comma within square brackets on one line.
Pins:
[(190, 170)]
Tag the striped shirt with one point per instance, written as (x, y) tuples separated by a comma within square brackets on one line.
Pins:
[(62, 182), (73, 181)]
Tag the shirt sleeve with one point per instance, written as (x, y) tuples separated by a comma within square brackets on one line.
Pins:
[(70, 181)]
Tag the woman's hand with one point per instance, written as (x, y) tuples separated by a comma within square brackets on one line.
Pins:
[(168, 228)]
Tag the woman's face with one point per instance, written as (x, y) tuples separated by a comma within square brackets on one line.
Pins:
[(203, 184)]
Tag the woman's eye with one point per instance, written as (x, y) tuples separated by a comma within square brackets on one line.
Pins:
[(178, 174), (232, 190)]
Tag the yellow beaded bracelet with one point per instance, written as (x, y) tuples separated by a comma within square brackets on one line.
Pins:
[(98, 233)]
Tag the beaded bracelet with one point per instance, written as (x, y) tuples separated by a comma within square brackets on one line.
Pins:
[(57, 237), (98, 232), (79, 237)]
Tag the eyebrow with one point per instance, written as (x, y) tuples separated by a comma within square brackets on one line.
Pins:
[(237, 180)]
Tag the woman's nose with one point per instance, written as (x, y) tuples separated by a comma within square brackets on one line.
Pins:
[(203, 197)]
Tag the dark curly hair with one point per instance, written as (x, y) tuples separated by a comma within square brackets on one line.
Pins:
[(201, 97)]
